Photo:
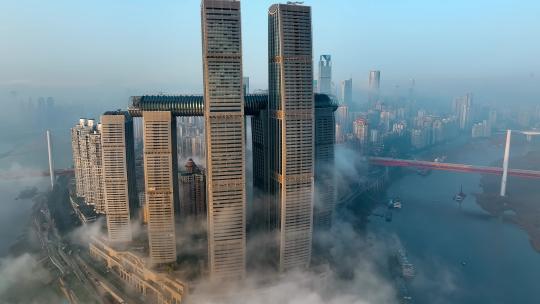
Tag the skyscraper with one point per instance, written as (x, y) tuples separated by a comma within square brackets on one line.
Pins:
[(160, 179), (291, 112), (76, 132), (119, 181), (192, 191), (346, 91), (374, 86), (324, 170), (325, 74), (96, 164), (86, 148), (360, 130), (225, 148), (463, 108)]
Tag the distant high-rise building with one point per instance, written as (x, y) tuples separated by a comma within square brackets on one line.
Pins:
[(245, 85), (524, 117), (492, 118), (346, 91), (325, 75), (343, 123), (192, 191), (160, 180), (419, 138), (412, 96), (291, 124), (119, 181), (481, 129), (225, 148), (374, 86), (463, 108), (374, 136), (360, 130), (191, 142)]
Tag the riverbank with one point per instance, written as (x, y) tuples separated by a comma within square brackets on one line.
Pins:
[(522, 202)]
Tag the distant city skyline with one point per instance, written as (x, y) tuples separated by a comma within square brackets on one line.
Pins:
[(106, 44)]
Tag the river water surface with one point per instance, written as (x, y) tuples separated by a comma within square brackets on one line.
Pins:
[(24, 152), (461, 253)]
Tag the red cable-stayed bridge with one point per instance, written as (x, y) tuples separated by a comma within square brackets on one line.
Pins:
[(504, 171), (433, 165)]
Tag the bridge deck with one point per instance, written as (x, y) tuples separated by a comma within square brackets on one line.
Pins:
[(394, 162)]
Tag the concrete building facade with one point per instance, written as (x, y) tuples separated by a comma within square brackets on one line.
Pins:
[(225, 148), (87, 161), (291, 127), (160, 180), (119, 184), (96, 163)]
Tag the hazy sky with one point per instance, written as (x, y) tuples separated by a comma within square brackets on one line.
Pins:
[(152, 46)]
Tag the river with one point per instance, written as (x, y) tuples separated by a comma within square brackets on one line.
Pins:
[(25, 151), (461, 254)]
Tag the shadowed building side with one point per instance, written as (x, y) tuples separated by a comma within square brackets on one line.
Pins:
[(192, 191), (160, 176), (325, 180), (119, 183)]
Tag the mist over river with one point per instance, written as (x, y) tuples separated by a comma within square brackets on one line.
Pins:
[(462, 254)]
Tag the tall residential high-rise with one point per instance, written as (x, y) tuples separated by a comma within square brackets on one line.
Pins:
[(463, 108), (343, 123), (225, 147), (360, 130), (291, 112), (86, 148), (81, 159), (374, 86), (325, 74), (346, 91), (96, 164), (160, 180), (192, 191), (119, 182), (76, 132)]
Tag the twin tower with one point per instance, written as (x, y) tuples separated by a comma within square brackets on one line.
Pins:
[(290, 127), (293, 137)]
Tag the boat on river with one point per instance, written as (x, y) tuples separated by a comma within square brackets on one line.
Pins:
[(460, 197)]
